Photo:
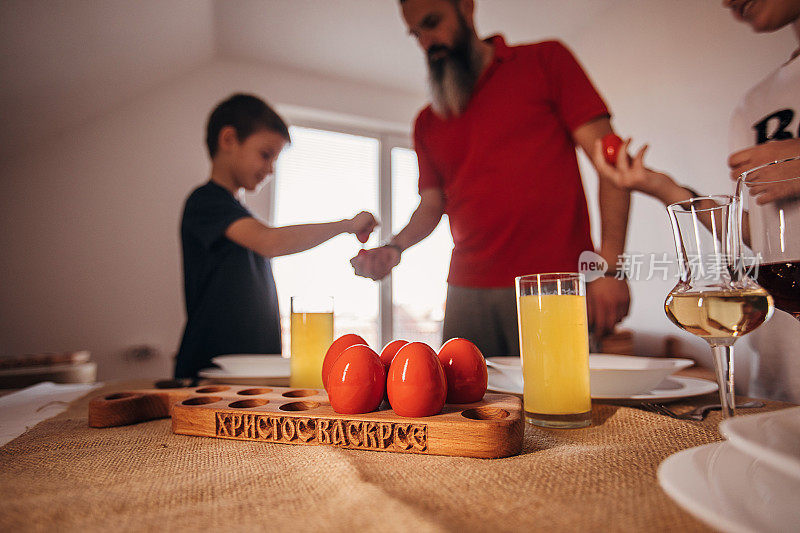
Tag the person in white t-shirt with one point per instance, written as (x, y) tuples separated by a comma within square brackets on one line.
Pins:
[(765, 127)]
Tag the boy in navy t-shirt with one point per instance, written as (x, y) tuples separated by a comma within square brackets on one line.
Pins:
[(231, 300)]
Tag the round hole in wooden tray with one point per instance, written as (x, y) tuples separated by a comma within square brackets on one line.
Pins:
[(299, 406), (253, 392), (485, 413), (252, 402), (120, 396), (299, 393), (208, 390), (201, 400)]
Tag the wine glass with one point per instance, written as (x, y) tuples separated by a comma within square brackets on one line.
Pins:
[(715, 299), (770, 199)]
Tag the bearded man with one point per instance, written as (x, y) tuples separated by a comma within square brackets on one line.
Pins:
[(497, 152)]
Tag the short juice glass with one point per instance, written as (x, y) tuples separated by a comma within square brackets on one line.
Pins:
[(311, 334), (554, 347)]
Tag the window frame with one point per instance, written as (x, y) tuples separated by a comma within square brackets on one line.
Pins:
[(388, 139)]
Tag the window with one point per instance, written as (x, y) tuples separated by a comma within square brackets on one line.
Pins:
[(324, 176), (418, 282), (327, 175)]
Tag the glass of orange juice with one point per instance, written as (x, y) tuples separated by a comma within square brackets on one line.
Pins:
[(554, 347), (311, 333)]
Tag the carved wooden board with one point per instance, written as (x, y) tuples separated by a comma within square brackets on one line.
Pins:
[(490, 428)]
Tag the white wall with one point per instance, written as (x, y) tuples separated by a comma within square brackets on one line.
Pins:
[(90, 220), (90, 246)]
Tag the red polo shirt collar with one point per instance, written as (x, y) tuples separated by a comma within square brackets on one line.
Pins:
[(502, 51)]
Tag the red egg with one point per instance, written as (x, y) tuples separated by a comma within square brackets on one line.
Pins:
[(335, 350), (387, 354), (389, 351), (611, 145), (356, 381), (416, 384), (465, 369)]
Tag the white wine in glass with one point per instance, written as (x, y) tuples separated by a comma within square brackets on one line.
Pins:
[(719, 317), (714, 298)]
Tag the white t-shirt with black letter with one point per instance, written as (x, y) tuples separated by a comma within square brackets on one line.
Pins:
[(771, 111)]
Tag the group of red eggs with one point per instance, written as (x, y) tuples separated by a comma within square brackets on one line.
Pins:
[(411, 375)]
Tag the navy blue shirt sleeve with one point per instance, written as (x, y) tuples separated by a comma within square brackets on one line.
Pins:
[(208, 215)]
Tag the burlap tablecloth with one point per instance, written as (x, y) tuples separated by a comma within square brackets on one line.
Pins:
[(62, 475)]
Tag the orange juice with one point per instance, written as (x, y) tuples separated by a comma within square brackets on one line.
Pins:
[(554, 342), (311, 335)]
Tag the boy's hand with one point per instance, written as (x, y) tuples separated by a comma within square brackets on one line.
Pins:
[(362, 225)]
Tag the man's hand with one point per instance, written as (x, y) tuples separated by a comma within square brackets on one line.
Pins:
[(375, 263), (761, 154), (362, 225), (607, 303)]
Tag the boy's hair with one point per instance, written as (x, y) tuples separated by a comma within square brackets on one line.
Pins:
[(246, 114)]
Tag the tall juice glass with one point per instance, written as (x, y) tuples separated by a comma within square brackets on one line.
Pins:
[(554, 345), (311, 334)]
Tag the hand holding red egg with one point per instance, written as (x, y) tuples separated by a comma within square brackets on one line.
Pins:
[(611, 145)]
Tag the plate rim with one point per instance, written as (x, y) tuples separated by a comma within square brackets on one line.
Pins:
[(706, 384), (680, 362), (775, 458), (696, 506), (212, 372), (271, 355), (709, 385)]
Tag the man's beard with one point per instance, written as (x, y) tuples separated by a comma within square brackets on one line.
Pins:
[(452, 77)]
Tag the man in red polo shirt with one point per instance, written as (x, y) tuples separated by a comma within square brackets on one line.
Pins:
[(496, 152)]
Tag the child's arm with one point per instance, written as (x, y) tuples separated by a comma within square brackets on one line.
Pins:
[(273, 242), (632, 174)]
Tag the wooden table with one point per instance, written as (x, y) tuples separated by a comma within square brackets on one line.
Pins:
[(63, 475)]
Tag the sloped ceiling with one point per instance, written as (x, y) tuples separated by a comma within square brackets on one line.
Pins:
[(63, 62), (366, 40)]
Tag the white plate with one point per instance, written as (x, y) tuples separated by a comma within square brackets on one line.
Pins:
[(509, 381), (249, 365), (625, 375), (279, 367), (730, 490), (770, 437)]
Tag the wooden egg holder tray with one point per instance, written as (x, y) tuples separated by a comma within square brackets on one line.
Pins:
[(490, 428)]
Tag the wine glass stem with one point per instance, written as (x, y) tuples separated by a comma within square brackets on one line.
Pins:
[(723, 364)]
